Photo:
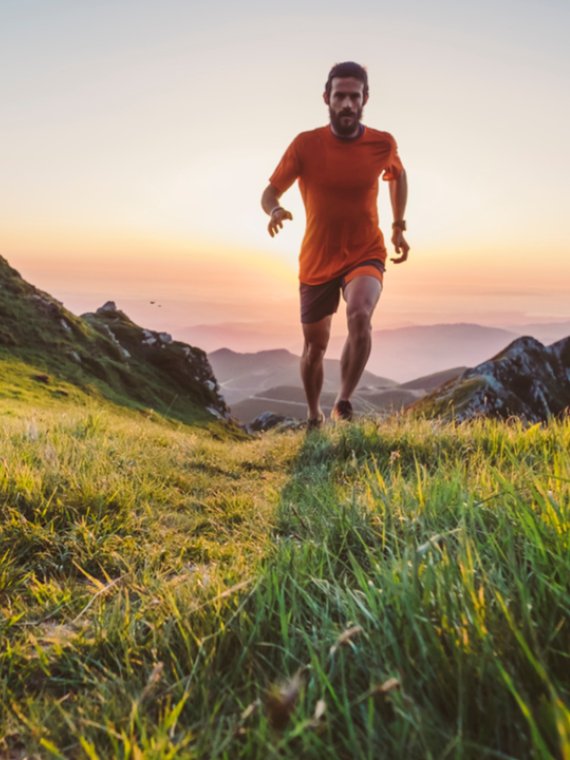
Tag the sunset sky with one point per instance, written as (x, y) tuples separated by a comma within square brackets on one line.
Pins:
[(136, 138)]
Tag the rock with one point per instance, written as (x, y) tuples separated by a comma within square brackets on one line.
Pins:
[(216, 413), (108, 307), (123, 353), (268, 420), (527, 380), (41, 378)]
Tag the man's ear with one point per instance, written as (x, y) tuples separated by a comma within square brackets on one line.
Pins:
[(326, 98), (365, 100)]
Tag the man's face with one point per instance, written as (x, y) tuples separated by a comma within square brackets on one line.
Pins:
[(346, 102)]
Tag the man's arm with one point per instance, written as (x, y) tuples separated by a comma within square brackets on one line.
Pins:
[(398, 198), (270, 204)]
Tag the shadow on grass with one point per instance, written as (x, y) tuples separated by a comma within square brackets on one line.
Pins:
[(410, 603), (417, 591)]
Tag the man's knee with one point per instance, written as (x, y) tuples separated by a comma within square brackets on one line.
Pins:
[(316, 337), (359, 321), (314, 349)]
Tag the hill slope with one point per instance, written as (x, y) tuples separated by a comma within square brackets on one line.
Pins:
[(103, 353)]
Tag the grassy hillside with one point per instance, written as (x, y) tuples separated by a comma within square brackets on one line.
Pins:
[(104, 355), (366, 592)]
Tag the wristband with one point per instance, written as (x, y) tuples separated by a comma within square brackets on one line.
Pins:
[(399, 224), (276, 208)]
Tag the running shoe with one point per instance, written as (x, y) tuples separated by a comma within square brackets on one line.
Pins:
[(342, 410), (315, 423)]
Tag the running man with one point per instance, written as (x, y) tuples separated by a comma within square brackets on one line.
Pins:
[(338, 167)]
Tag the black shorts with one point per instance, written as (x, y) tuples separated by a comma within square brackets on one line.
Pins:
[(320, 301)]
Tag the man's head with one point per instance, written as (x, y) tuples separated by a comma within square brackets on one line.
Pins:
[(346, 93)]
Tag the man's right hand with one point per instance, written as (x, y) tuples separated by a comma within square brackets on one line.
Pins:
[(401, 246), (276, 222)]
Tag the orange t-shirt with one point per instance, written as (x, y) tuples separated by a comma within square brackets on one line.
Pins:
[(338, 179)]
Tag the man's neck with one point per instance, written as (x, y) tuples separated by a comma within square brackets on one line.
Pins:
[(353, 136)]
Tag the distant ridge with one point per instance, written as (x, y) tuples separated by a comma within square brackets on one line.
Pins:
[(545, 332), (410, 352), (402, 353), (242, 376), (429, 382)]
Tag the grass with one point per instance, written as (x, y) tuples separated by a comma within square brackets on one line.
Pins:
[(28, 385), (395, 591)]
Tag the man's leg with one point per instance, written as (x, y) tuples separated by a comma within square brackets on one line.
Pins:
[(316, 336), (361, 294)]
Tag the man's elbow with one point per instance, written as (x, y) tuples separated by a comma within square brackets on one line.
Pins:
[(400, 181)]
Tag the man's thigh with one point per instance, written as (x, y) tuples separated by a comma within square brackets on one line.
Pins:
[(362, 294)]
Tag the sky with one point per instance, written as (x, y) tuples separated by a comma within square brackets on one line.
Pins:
[(136, 139)]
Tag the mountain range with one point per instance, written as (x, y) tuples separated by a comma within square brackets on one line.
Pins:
[(525, 379), (402, 353), (107, 355), (254, 383)]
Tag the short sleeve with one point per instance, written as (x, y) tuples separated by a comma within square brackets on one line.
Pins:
[(394, 166), (287, 170)]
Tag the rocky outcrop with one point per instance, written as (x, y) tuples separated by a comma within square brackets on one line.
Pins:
[(30, 318), (187, 368), (527, 380), (106, 353)]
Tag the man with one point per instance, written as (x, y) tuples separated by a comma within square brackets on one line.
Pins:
[(338, 167)]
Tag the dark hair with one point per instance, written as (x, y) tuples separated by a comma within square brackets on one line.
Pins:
[(347, 69)]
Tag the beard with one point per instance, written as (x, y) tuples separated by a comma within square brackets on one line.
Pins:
[(345, 127)]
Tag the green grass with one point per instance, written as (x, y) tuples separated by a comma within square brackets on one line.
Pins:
[(28, 386), (399, 591)]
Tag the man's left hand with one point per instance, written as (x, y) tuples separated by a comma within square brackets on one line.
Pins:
[(401, 246)]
